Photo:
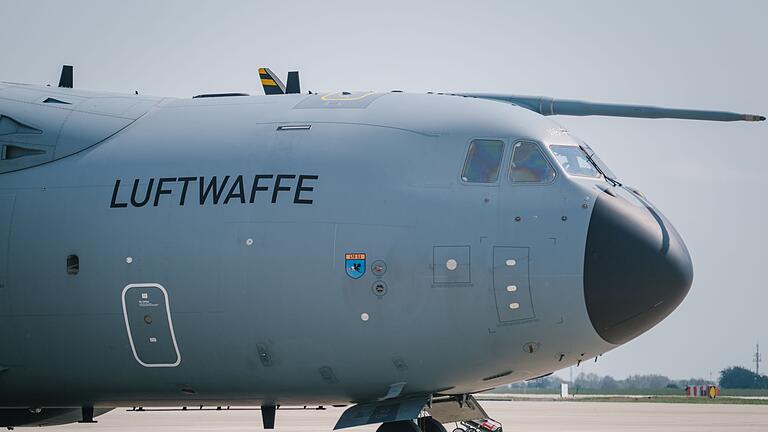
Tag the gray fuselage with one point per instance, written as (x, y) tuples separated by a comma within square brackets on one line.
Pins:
[(181, 235)]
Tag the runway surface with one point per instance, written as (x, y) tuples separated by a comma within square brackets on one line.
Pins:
[(529, 416)]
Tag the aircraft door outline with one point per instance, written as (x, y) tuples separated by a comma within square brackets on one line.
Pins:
[(146, 344)]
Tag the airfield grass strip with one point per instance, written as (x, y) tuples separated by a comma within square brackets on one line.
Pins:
[(680, 399), (677, 399), (626, 392)]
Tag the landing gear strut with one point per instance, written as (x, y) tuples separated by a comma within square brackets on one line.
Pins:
[(87, 415)]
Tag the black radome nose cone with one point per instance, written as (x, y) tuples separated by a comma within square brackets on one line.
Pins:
[(637, 269)]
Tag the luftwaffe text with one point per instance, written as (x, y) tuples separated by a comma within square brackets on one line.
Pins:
[(184, 191)]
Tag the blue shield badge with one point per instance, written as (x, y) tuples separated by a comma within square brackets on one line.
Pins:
[(354, 265)]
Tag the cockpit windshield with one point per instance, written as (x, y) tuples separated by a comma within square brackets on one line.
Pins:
[(597, 161), (529, 165), (575, 161)]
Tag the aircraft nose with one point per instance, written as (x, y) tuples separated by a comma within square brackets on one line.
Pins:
[(637, 269)]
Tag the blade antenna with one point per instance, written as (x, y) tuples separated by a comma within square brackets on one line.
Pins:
[(292, 85), (65, 80)]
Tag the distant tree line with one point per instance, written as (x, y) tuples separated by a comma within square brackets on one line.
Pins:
[(734, 377), (742, 378), (608, 383)]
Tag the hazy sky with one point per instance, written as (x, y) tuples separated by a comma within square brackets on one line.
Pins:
[(708, 178)]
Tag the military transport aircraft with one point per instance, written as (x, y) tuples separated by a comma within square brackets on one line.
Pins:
[(390, 252)]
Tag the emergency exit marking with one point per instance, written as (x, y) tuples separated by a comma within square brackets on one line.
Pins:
[(153, 340), (511, 288), (514, 305), (511, 262)]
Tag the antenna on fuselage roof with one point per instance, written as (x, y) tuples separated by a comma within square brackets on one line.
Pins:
[(65, 79)]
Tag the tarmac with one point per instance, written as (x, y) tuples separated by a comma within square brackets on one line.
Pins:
[(527, 416)]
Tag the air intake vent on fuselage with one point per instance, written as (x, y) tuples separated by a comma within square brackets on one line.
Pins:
[(15, 152), (9, 126), (218, 95), (56, 101)]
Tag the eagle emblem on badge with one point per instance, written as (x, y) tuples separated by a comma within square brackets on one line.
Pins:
[(354, 265)]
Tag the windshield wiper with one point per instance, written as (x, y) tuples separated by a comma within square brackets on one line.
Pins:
[(607, 178)]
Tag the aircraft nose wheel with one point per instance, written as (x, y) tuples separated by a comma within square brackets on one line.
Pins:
[(399, 426), (423, 424), (429, 424)]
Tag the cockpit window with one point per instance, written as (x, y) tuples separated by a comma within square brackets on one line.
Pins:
[(529, 165), (483, 161), (574, 161), (599, 162)]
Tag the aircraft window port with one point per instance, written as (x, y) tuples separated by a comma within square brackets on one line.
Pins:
[(574, 161), (73, 265), (483, 161), (529, 164)]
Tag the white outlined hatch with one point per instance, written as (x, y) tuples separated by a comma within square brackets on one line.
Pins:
[(147, 313)]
